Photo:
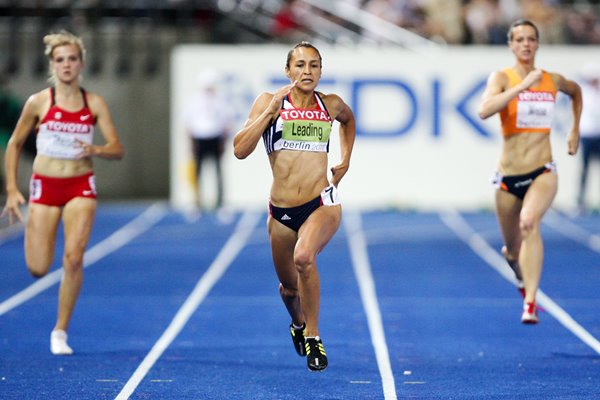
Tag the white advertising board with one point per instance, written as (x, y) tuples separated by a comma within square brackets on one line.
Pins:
[(420, 144)]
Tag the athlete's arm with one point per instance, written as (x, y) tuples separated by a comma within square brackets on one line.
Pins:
[(497, 94), (112, 149), (263, 112), (573, 90), (344, 115)]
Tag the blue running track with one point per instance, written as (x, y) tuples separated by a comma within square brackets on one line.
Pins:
[(413, 306)]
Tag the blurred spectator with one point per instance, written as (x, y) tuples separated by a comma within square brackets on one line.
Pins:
[(407, 14), (287, 22), (589, 125), (388, 10), (582, 25), (449, 21), (548, 17), (444, 20), (510, 10), (208, 121), (10, 105), (484, 23), (11, 110)]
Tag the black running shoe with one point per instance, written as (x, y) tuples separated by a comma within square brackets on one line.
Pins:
[(315, 354), (298, 339)]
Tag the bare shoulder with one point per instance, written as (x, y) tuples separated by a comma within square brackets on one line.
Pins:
[(563, 84), (333, 102), (40, 98), (38, 103), (497, 83), (95, 100), (261, 103), (498, 78), (264, 98)]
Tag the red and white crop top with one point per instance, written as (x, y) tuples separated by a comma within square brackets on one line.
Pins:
[(60, 130)]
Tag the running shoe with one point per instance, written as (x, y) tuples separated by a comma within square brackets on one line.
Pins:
[(529, 315), (315, 354), (58, 343), (298, 339)]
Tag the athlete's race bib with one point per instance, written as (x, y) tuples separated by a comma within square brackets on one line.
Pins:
[(61, 145), (305, 130), (329, 196), (535, 109), (35, 189)]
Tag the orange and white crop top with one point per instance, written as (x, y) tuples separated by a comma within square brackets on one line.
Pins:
[(60, 130), (532, 109)]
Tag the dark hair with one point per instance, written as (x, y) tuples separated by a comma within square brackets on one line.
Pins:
[(520, 22), (302, 44)]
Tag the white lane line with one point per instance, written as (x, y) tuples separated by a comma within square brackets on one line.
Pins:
[(228, 253), (572, 231), (456, 223), (118, 239), (366, 284)]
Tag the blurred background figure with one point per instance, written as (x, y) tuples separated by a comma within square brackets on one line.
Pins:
[(288, 21), (208, 121), (589, 126), (10, 109)]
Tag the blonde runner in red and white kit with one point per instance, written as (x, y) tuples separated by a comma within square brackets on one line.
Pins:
[(62, 188), (60, 135)]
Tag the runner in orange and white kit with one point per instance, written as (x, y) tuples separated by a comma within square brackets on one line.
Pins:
[(526, 179), (304, 209), (62, 184)]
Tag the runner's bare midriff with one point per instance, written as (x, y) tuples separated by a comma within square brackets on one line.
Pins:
[(61, 168), (524, 152), (293, 183)]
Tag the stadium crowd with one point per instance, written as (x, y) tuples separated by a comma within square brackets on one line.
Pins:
[(464, 21)]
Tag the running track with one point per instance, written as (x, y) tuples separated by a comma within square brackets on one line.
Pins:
[(414, 306)]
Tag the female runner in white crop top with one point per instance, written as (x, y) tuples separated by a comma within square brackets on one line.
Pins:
[(63, 182)]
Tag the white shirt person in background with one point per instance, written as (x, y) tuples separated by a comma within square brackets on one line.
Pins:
[(208, 120), (589, 125)]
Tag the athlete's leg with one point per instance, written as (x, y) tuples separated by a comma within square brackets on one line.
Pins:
[(40, 237), (508, 208), (78, 217), (314, 234), (537, 201), (283, 240), (218, 154), (198, 160)]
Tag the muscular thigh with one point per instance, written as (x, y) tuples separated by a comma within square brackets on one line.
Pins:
[(540, 195), (40, 235), (78, 218), (508, 209), (283, 241), (319, 228)]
